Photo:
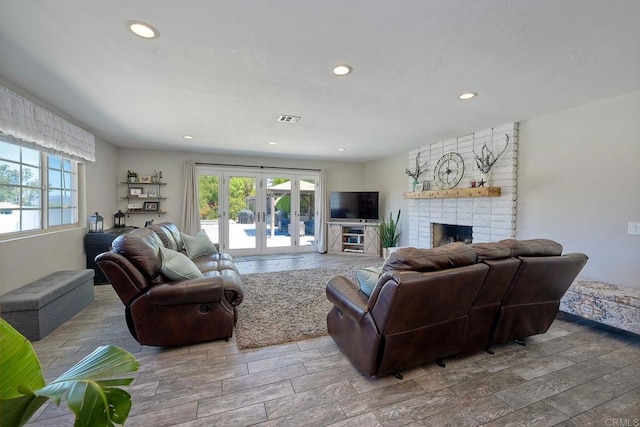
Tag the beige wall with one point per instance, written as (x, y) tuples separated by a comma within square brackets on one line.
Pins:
[(102, 195), (578, 180), (340, 176), (387, 176)]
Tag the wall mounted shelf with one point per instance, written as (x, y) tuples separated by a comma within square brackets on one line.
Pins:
[(454, 193), (146, 192)]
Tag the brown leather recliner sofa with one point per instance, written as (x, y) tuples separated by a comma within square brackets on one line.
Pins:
[(418, 312), (456, 299), (164, 312), (532, 300)]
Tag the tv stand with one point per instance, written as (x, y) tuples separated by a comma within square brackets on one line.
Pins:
[(353, 238)]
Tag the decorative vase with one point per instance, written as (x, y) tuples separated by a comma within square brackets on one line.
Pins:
[(385, 253), (485, 180), (415, 183), (132, 179)]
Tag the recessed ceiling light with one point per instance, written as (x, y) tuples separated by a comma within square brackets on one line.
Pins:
[(340, 149), (143, 30), (188, 137), (467, 95), (272, 143), (342, 70)]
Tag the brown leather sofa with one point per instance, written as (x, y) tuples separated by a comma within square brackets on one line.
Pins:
[(162, 312), (532, 301), (417, 313), (486, 306), (456, 299)]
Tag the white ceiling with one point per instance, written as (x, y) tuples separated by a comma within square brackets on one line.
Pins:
[(224, 71)]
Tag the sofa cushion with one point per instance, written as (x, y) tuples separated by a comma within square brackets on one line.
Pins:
[(492, 250), (142, 247), (169, 234), (198, 245), (177, 266), (368, 278), (448, 256), (533, 247)]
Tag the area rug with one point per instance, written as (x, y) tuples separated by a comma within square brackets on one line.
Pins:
[(286, 306)]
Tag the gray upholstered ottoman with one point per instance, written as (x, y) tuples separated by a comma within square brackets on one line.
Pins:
[(40, 307)]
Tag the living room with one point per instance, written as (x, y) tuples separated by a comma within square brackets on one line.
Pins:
[(577, 161)]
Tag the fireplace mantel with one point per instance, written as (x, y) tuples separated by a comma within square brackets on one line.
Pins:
[(454, 193)]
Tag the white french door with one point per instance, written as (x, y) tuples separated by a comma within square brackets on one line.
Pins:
[(253, 212)]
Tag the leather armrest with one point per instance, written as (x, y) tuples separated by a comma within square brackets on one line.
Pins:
[(347, 298), (194, 291)]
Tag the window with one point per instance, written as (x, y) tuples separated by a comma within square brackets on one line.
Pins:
[(62, 198), (37, 190)]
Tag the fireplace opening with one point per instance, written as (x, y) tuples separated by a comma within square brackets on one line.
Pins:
[(447, 233)]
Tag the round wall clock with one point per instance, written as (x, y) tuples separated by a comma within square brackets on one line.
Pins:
[(448, 171)]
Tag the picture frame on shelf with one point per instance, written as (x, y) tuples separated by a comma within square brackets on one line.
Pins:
[(419, 187), (152, 193), (151, 206), (135, 191), (145, 179)]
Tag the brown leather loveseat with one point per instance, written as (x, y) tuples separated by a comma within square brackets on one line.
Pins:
[(430, 304), (163, 311)]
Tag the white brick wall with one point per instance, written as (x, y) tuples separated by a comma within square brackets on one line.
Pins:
[(492, 218)]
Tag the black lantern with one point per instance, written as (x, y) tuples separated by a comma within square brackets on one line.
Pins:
[(96, 223), (118, 219)]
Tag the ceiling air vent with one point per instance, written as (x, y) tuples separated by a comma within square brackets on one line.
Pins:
[(288, 119)]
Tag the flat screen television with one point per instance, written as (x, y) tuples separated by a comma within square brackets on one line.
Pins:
[(354, 205)]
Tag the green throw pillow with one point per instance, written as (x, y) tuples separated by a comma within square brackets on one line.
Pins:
[(198, 245), (368, 279), (177, 266)]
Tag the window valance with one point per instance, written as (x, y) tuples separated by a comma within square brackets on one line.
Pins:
[(30, 124)]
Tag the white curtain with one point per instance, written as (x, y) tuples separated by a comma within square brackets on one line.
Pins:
[(35, 127), (190, 211), (321, 229)]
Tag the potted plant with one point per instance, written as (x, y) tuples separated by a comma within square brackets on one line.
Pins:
[(389, 233), (95, 400), (132, 176)]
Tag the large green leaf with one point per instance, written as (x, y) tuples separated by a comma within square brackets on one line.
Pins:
[(21, 373), (17, 411), (89, 394), (105, 361), (18, 363), (83, 390)]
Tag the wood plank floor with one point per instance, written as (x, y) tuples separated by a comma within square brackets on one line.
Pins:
[(579, 373)]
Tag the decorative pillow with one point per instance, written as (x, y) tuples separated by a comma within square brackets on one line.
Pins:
[(177, 266), (198, 245), (368, 279)]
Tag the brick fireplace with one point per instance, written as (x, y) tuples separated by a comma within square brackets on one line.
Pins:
[(441, 234), (491, 218)]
